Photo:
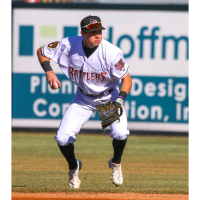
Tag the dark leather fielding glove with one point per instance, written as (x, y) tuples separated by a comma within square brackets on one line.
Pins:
[(110, 112)]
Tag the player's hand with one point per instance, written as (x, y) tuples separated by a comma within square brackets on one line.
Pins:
[(120, 110), (52, 80)]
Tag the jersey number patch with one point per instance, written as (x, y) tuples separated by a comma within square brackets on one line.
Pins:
[(53, 45)]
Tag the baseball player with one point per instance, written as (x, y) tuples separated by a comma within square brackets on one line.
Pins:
[(97, 67)]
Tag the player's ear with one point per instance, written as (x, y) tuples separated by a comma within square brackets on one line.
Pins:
[(82, 33)]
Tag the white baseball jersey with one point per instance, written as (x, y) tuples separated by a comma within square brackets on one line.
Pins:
[(103, 70)]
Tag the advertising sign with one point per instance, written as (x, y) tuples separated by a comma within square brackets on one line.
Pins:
[(155, 46)]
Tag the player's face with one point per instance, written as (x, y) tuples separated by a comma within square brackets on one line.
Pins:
[(92, 39)]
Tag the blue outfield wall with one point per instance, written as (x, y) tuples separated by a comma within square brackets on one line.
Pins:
[(151, 99)]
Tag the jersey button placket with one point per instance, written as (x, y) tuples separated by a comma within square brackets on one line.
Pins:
[(85, 75)]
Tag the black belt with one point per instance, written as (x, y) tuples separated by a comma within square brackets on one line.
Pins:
[(96, 95)]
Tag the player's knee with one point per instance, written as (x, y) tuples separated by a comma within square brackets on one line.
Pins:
[(119, 134), (65, 139)]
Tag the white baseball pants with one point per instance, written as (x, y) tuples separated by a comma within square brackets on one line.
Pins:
[(80, 111)]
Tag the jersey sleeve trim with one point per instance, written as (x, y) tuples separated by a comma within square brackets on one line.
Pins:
[(124, 73), (43, 54), (43, 51)]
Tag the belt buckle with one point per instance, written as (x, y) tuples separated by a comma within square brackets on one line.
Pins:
[(98, 95)]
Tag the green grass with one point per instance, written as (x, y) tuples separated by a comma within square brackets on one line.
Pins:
[(150, 164)]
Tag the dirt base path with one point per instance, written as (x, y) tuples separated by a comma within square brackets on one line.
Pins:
[(97, 196)]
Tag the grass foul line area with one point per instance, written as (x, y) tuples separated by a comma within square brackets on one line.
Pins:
[(150, 164)]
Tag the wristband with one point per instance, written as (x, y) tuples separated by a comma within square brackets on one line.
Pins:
[(122, 95), (46, 66)]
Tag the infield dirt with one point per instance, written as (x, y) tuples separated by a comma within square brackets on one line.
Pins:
[(97, 196)]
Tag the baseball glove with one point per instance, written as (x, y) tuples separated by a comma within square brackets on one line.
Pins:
[(109, 112)]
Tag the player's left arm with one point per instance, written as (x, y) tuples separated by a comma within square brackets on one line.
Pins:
[(115, 108), (126, 84), (125, 88)]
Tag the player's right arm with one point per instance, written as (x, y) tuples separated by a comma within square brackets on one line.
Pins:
[(45, 63)]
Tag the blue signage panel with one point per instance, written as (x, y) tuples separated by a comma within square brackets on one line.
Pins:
[(26, 40), (151, 99)]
